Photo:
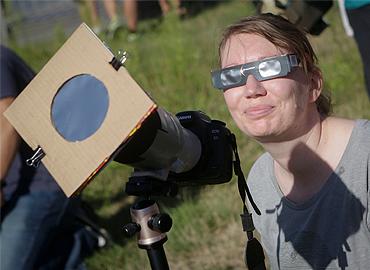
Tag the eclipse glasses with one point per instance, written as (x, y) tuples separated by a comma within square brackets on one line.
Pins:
[(265, 69)]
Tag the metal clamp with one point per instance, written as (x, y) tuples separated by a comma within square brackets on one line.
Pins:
[(119, 60), (34, 161)]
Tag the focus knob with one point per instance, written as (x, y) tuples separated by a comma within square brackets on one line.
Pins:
[(131, 229), (160, 222)]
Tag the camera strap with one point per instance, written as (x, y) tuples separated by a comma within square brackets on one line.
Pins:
[(254, 255)]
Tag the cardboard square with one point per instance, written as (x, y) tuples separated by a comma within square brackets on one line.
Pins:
[(73, 164)]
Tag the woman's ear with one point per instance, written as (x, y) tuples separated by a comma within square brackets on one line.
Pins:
[(316, 84)]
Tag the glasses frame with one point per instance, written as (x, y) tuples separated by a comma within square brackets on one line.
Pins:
[(287, 62)]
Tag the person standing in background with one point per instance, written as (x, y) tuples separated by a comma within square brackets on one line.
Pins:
[(358, 25)]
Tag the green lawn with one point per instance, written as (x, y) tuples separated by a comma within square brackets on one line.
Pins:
[(172, 60)]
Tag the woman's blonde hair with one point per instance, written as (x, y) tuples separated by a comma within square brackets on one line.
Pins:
[(284, 35)]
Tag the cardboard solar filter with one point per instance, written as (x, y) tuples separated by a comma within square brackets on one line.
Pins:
[(79, 110)]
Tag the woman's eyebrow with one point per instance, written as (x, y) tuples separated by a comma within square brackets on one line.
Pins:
[(256, 60), (231, 65)]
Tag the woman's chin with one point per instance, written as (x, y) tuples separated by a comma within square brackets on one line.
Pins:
[(259, 134), (259, 130)]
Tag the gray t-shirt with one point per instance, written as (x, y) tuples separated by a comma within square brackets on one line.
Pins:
[(329, 231)]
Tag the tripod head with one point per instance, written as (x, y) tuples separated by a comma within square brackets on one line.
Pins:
[(146, 184), (148, 223)]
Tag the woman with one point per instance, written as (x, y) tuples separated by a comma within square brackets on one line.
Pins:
[(312, 184)]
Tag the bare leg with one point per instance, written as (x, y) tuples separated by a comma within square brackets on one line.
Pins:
[(93, 10), (115, 22), (130, 12), (111, 9), (94, 16), (181, 11), (165, 6)]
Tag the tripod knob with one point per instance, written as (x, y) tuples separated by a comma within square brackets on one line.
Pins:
[(160, 222), (131, 229)]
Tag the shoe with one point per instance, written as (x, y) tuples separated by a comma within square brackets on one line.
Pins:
[(103, 238), (97, 30), (132, 37), (113, 27)]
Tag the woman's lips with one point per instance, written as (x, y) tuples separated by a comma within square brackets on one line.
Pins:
[(259, 111)]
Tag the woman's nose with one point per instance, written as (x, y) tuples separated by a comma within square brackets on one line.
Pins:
[(254, 88)]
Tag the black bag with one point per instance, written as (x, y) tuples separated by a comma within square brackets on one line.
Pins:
[(308, 15)]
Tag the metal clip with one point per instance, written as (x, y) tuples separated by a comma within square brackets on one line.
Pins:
[(119, 60), (122, 55), (34, 161)]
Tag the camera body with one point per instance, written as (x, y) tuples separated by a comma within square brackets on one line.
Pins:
[(215, 163)]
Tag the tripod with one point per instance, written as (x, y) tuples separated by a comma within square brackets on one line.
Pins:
[(147, 222)]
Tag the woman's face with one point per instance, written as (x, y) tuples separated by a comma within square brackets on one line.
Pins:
[(273, 110)]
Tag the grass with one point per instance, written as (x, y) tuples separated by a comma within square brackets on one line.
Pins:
[(172, 60)]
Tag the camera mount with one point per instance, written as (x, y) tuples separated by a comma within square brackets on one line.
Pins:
[(148, 223), (150, 226)]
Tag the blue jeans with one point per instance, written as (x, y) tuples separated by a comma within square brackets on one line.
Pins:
[(27, 228), (360, 22)]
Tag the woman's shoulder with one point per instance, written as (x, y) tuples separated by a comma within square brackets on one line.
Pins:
[(346, 127), (339, 129), (262, 167), (263, 160), (344, 133), (335, 122)]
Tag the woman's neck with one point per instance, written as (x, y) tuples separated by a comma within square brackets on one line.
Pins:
[(292, 155), (299, 167)]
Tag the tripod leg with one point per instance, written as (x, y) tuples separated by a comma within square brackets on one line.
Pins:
[(157, 258)]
